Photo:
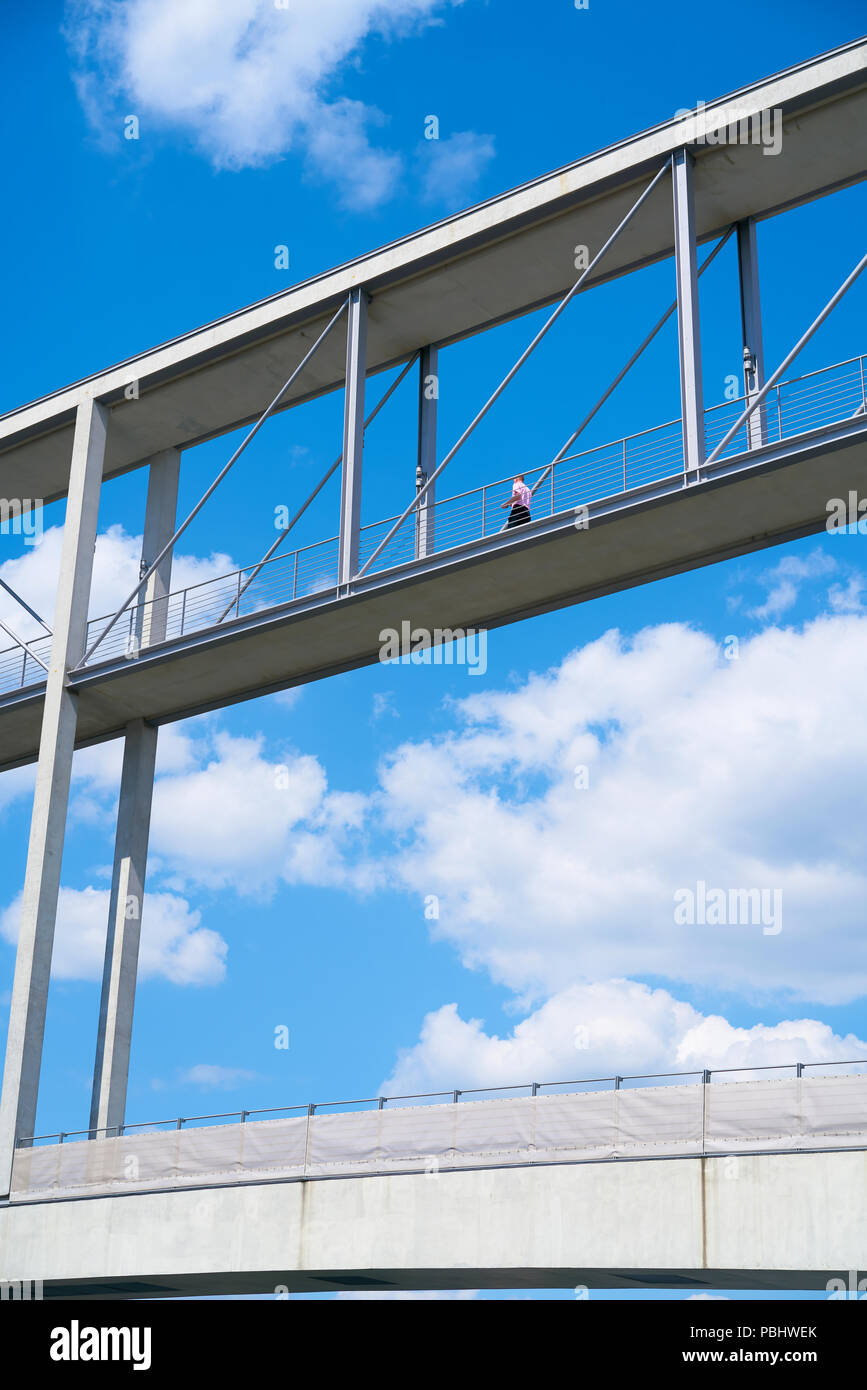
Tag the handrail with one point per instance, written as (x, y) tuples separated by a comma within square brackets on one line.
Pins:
[(532, 1086)]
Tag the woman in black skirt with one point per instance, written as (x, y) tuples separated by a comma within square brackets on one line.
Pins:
[(518, 503)]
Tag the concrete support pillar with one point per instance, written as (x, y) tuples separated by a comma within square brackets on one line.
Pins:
[(160, 521), (428, 395), (117, 1004), (689, 343), (111, 1068), (51, 796), (353, 436), (751, 325)]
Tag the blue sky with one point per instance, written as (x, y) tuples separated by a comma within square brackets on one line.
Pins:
[(304, 906)]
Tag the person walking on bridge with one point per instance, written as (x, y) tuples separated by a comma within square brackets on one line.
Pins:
[(519, 503)]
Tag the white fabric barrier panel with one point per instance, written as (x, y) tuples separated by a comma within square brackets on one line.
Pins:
[(654, 1121)]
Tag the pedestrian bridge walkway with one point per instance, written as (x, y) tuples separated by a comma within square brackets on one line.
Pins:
[(622, 468), (550, 1125)]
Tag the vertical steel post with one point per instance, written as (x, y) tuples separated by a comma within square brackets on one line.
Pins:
[(311, 1110), (428, 395), (689, 342), (751, 328), (705, 1082), (51, 797), (120, 970), (160, 519), (353, 437)]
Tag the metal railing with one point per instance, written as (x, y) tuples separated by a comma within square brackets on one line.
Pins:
[(531, 1088), (815, 400)]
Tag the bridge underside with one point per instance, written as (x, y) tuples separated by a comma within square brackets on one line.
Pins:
[(761, 1221)]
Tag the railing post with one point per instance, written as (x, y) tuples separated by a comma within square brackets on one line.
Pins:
[(751, 329), (705, 1082), (863, 391), (310, 1112), (295, 577), (484, 511), (238, 596), (624, 466), (183, 611), (689, 343), (428, 395), (353, 436)]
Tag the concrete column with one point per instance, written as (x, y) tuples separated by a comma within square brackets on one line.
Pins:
[(51, 797), (353, 436), (689, 344), (160, 521), (751, 325), (111, 1068), (117, 1004), (428, 393)]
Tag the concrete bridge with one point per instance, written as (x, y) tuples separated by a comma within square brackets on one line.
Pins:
[(780, 1221), (732, 1184)]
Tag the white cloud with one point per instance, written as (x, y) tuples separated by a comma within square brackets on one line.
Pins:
[(247, 80), (593, 1030), (174, 946), (16, 782), (740, 773), (450, 168), (383, 704), (848, 598), (337, 147), (210, 1077), (784, 580), (245, 820)]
